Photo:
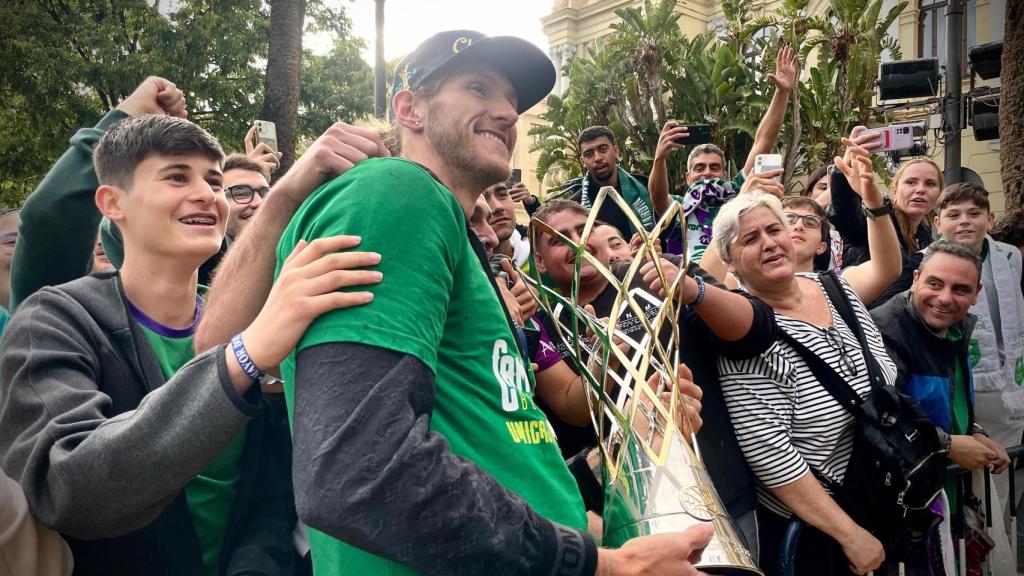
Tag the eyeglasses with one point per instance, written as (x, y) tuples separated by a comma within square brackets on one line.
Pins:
[(811, 222), (243, 193), (7, 241), (835, 340)]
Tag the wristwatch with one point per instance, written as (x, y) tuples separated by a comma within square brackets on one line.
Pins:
[(872, 213)]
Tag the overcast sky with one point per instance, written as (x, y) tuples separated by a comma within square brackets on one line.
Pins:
[(409, 22)]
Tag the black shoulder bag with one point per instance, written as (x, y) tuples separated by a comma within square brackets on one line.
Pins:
[(898, 464)]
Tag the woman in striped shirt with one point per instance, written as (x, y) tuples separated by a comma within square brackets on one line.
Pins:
[(788, 426)]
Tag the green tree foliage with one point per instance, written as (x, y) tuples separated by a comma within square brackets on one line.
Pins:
[(720, 80), (65, 63), (336, 86)]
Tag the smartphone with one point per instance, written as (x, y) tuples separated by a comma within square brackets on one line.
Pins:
[(698, 134), (766, 162), (516, 177), (893, 137), (266, 132)]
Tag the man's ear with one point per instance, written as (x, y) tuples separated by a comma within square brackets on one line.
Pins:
[(407, 110), (108, 201), (540, 260), (822, 246), (991, 221)]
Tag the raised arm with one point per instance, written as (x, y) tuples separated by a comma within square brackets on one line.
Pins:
[(658, 184), (784, 78), (872, 277), (844, 212), (244, 278), (59, 221)]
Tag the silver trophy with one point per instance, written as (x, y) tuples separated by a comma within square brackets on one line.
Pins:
[(654, 478)]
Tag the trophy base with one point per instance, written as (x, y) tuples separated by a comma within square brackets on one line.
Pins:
[(657, 498)]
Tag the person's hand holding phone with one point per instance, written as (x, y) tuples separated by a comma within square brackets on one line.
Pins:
[(667, 141), (262, 154), (520, 193)]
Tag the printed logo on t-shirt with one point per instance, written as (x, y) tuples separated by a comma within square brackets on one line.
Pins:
[(517, 394), (511, 376)]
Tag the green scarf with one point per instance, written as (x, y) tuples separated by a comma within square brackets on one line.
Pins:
[(633, 192)]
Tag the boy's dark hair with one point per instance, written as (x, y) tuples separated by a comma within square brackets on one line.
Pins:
[(557, 206), (238, 161), (130, 142), (593, 133), (1009, 228), (808, 204), (957, 249), (823, 260), (964, 192)]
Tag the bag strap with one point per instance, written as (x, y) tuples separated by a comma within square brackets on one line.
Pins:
[(834, 383), (836, 293), (831, 380)]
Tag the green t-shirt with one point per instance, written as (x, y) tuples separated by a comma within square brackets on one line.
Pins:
[(437, 304), (960, 407), (211, 494)]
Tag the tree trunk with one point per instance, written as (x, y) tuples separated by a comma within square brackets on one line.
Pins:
[(284, 69), (1011, 106)]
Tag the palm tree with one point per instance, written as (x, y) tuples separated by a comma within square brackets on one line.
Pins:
[(284, 69), (1011, 106), (854, 36)]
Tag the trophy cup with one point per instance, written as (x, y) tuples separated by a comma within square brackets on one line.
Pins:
[(654, 478)]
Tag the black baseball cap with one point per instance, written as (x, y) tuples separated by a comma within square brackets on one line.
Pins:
[(527, 68)]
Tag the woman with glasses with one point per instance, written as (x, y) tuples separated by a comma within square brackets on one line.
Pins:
[(789, 427), (810, 231)]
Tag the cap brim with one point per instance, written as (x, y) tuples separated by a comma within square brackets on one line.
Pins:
[(527, 68)]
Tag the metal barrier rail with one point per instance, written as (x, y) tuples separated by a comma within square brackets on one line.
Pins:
[(790, 540)]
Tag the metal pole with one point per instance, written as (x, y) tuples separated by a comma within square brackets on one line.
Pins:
[(380, 106), (954, 91)]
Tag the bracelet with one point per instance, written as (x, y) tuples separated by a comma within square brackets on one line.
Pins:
[(242, 355), (700, 292)]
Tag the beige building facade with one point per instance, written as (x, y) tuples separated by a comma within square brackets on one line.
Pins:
[(574, 25)]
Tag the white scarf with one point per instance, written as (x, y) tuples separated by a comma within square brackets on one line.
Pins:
[(989, 375)]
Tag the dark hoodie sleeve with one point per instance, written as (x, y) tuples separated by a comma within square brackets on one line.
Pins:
[(369, 471), (844, 213), (59, 220)]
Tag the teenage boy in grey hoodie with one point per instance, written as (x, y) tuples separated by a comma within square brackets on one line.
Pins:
[(151, 459)]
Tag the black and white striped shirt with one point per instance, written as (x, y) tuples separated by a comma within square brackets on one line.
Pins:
[(784, 418)]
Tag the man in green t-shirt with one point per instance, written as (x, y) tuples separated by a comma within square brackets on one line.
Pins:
[(417, 443)]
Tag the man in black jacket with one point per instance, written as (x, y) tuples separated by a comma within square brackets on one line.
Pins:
[(926, 332)]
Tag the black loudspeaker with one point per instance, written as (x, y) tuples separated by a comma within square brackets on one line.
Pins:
[(986, 59), (985, 119), (908, 79)]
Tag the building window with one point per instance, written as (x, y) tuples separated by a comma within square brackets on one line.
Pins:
[(932, 37)]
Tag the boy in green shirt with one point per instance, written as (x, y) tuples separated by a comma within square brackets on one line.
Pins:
[(149, 458)]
